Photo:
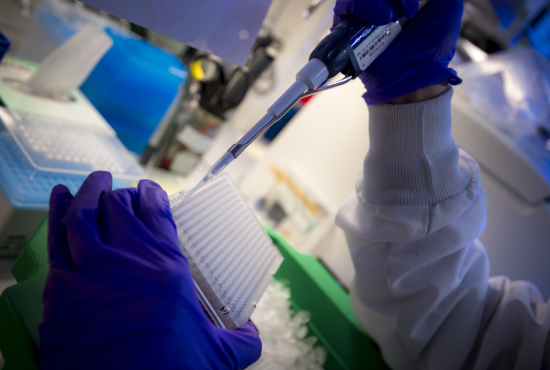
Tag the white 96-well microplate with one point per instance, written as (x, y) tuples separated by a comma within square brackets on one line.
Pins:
[(232, 259)]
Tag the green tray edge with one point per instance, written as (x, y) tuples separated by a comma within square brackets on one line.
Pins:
[(20, 348)]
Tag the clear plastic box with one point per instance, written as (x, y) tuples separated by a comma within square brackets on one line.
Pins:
[(38, 152)]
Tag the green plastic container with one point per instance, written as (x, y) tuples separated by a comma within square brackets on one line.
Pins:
[(311, 285), (21, 308)]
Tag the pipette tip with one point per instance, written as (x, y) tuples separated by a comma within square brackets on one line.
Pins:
[(197, 187), (220, 164)]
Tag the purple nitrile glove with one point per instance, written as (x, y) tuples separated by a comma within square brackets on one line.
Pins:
[(420, 54), (119, 294)]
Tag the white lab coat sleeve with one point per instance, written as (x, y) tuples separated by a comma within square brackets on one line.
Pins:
[(422, 289)]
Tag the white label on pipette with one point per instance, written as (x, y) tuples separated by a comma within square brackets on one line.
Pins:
[(371, 41)]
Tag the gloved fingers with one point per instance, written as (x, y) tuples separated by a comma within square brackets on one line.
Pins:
[(404, 8), (58, 246), (435, 29), (82, 217), (153, 209), (373, 12), (335, 20), (120, 227), (410, 8), (138, 214), (248, 329), (419, 56), (243, 345), (137, 248)]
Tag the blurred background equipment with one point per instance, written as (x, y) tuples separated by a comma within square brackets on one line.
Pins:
[(501, 116), (51, 93), (67, 66), (290, 206), (495, 25), (133, 86), (214, 90)]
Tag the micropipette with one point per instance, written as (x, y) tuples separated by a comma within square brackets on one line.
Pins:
[(349, 49), (275, 113)]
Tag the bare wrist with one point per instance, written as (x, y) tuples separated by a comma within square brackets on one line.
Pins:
[(426, 93)]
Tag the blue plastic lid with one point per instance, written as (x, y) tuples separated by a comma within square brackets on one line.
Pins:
[(62, 146), (24, 186), (21, 184), (36, 154)]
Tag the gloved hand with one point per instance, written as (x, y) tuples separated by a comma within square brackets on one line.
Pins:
[(119, 294), (419, 56)]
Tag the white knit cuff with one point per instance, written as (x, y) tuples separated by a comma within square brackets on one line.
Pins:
[(412, 159)]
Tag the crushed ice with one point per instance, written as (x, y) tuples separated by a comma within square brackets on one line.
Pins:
[(284, 334)]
